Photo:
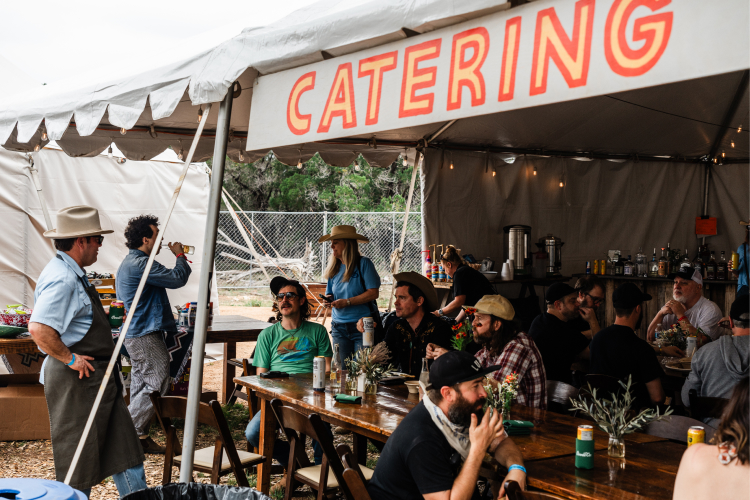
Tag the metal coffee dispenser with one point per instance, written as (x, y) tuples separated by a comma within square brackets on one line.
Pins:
[(518, 248), (553, 246)]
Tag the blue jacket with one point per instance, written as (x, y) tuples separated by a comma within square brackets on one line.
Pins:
[(154, 311)]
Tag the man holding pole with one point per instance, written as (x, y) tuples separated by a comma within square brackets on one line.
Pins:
[(69, 324)]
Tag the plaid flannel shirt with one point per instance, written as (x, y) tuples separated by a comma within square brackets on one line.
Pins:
[(520, 355)]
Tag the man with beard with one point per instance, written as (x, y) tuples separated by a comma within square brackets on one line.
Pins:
[(290, 345), (558, 342), (617, 350), (590, 297), (504, 345), (436, 451), (689, 308)]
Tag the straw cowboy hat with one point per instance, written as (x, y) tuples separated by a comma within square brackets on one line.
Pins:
[(496, 305), (431, 302), (344, 233), (77, 222)]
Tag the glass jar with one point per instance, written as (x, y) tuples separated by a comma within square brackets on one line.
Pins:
[(616, 447), (371, 388)]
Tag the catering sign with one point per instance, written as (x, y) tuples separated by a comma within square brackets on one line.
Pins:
[(540, 53)]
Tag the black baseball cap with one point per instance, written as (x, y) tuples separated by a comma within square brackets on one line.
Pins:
[(688, 273), (557, 291), (740, 307), (280, 282), (455, 367), (628, 295)]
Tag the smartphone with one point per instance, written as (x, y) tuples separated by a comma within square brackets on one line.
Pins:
[(325, 297), (274, 374)]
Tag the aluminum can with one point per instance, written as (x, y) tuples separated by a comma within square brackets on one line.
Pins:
[(696, 434), (585, 447), (588, 267), (116, 314), (596, 267), (319, 374), (368, 337), (602, 266)]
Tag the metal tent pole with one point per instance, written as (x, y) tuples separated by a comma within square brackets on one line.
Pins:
[(204, 289)]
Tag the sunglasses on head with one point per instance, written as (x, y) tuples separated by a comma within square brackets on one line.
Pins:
[(288, 295)]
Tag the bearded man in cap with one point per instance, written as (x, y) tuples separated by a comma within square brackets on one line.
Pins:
[(69, 325), (437, 449), (504, 345)]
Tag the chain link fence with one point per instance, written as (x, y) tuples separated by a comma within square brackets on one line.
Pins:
[(288, 241)]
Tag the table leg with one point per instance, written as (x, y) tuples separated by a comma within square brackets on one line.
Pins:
[(227, 371), (265, 446), (359, 444)]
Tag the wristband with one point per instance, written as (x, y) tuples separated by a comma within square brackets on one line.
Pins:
[(72, 360), (684, 318), (517, 467), (183, 255)]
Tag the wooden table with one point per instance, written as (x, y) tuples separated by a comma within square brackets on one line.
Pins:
[(552, 439), (226, 329)]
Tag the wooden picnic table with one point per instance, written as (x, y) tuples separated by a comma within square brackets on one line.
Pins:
[(227, 329), (549, 451)]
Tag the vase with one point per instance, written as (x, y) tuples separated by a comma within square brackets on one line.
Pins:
[(351, 384), (506, 411), (371, 388), (616, 447)]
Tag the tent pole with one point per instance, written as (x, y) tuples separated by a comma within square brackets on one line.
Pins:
[(38, 186), (705, 195), (204, 289)]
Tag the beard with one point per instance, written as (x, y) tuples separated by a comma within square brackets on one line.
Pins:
[(460, 412), (679, 298)]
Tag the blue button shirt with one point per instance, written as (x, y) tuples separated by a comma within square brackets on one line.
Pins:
[(154, 312), (348, 289), (742, 268), (60, 301)]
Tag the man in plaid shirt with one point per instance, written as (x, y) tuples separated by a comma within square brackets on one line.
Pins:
[(504, 345)]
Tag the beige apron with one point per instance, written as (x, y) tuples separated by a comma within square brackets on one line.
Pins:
[(112, 445)]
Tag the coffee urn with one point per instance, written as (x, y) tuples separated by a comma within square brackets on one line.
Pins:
[(518, 249), (553, 246)]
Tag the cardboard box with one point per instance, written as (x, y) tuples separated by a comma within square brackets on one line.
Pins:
[(24, 413)]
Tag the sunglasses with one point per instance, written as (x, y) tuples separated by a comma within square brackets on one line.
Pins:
[(288, 295), (98, 239)]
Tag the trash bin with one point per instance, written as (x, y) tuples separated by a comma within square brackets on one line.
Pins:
[(197, 491), (37, 489)]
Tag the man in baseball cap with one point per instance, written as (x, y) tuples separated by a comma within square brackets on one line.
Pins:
[(439, 446), (617, 350), (557, 339), (689, 308)]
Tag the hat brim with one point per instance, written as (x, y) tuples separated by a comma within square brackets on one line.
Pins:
[(480, 374), (431, 302), (53, 234), (344, 236), (685, 276)]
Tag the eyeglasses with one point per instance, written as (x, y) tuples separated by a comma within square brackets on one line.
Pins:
[(288, 295), (597, 300), (98, 239)]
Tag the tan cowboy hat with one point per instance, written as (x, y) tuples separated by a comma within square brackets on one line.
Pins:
[(431, 302), (344, 233), (77, 222), (745, 223), (496, 305)]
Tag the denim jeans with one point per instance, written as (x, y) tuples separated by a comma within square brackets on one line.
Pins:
[(281, 448), (348, 338), (127, 481)]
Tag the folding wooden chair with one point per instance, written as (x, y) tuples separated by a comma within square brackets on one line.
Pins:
[(238, 392), (297, 427), (558, 396), (218, 460), (676, 428), (513, 491), (353, 476), (705, 407)]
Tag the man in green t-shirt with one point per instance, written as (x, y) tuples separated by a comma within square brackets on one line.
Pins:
[(289, 346)]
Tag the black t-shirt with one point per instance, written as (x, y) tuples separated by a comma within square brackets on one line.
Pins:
[(416, 460), (579, 324), (559, 343), (470, 282), (409, 347), (618, 352)]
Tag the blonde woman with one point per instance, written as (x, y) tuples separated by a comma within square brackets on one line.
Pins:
[(469, 285), (353, 283)]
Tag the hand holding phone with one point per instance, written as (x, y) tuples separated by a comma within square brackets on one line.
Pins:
[(325, 297)]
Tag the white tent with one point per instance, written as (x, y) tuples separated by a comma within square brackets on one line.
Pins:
[(476, 83)]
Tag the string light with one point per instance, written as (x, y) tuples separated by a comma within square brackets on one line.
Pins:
[(242, 157), (356, 166), (299, 164), (451, 164), (562, 183), (123, 131), (723, 154), (109, 152), (739, 129), (494, 172), (44, 135), (200, 113), (179, 155), (534, 169), (36, 148), (732, 143)]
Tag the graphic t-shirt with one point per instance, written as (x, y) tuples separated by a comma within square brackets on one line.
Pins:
[(291, 351)]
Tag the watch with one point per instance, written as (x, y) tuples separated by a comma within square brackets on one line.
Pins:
[(348, 302), (440, 312)]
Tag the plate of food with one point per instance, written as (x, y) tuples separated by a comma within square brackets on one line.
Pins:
[(682, 365)]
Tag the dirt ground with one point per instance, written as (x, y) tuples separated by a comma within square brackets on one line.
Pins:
[(33, 459)]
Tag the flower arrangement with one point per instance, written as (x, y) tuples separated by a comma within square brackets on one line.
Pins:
[(611, 415), (462, 334), (675, 336), (372, 362), (501, 397)]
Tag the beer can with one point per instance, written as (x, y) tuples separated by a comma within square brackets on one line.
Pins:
[(116, 314), (596, 267), (588, 267), (602, 266), (696, 434), (319, 374), (368, 337), (585, 447)]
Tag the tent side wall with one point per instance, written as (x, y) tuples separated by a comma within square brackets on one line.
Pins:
[(603, 205)]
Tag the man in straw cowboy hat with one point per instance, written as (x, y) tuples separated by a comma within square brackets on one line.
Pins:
[(353, 286), (69, 325)]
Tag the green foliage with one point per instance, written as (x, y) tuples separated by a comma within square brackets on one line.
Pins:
[(271, 185), (237, 416)]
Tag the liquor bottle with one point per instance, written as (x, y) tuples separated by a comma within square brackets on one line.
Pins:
[(628, 267), (685, 263), (698, 263), (336, 367), (619, 266), (663, 263), (610, 267), (669, 260), (734, 263), (641, 269), (711, 267), (653, 268), (721, 267), (424, 377)]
